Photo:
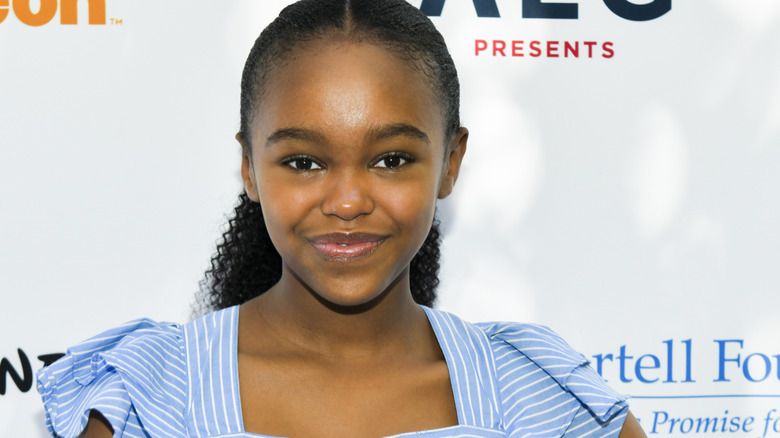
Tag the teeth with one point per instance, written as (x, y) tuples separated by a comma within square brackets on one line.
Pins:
[(343, 244)]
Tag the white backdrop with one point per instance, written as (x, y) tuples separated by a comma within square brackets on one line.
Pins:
[(629, 201)]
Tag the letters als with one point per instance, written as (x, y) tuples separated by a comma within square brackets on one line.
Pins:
[(537, 9)]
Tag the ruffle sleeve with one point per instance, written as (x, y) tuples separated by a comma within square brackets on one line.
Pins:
[(570, 369), (134, 375)]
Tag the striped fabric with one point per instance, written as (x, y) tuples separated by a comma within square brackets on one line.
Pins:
[(166, 380)]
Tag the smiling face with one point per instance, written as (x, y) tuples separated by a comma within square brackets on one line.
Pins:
[(348, 156)]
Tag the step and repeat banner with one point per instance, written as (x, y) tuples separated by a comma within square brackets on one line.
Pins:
[(622, 184)]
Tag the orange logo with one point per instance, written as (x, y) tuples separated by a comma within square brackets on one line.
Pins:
[(47, 11)]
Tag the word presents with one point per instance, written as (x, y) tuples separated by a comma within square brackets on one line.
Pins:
[(48, 9), (548, 49)]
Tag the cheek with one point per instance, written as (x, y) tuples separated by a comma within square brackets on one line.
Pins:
[(411, 204), (284, 205)]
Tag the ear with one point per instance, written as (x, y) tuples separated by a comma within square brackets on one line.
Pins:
[(456, 149), (247, 170)]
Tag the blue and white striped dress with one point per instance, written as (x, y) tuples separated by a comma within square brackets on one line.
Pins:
[(154, 379)]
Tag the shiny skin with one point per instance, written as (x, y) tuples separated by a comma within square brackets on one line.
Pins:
[(340, 100)]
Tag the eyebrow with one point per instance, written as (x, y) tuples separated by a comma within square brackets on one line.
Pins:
[(375, 134), (398, 130), (295, 134)]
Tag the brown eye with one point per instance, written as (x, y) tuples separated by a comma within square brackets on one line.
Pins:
[(393, 161), (302, 163)]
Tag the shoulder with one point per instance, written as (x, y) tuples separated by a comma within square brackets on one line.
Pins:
[(543, 385), (538, 367), (132, 374)]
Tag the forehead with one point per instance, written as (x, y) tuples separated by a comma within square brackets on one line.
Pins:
[(344, 88)]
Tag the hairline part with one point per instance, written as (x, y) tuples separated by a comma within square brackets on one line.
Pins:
[(335, 36)]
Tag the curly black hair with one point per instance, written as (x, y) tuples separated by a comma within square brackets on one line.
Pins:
[(246, 263)]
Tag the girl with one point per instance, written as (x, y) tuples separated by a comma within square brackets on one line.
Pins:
[(320, 288)]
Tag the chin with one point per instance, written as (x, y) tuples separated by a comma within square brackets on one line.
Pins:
[(348, 304), (363, 297)]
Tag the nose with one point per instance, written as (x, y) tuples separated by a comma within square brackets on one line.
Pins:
[(347, 197)]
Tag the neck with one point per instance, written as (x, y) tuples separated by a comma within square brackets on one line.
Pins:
[(302, 319)]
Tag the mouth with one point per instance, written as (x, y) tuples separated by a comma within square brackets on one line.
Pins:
[(346, 247)]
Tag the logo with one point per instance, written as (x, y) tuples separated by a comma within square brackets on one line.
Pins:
[(537, 9), (515, 47), (48, 9), (23, 380)]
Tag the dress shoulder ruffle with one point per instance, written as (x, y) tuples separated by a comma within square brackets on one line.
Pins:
[(133, 374), (570, 369)]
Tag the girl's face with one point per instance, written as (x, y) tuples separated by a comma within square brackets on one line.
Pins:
[(348, 158)]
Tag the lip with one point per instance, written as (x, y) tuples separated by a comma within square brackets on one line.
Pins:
[(346, 247)]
